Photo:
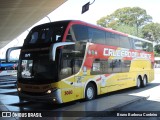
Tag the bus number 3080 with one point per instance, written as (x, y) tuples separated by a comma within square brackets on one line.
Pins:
[(68, 92)]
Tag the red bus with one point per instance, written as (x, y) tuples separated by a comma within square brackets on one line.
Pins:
[(69, 60)]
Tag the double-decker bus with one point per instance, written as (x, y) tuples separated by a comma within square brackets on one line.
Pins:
[(69, 60), (8, 68)]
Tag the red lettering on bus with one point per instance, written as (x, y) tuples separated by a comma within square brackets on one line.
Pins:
[(68, 92)]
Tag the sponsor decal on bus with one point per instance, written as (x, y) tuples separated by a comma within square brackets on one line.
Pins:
[(125, 53)]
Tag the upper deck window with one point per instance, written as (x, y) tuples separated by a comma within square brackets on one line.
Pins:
[(80, 32), (112, 39), (47, 33), (97, 36), (124, 42)]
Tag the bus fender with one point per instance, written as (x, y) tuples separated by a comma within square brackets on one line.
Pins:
[(91, 80)]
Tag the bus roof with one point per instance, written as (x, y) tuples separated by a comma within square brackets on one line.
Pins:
[(98, 27), (134, 37), (111, 30)]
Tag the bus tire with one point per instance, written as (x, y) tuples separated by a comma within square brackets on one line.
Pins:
[(144, 82), (138, 84), (90, 92)]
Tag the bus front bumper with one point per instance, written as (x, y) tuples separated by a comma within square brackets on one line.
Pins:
[(54, 97)]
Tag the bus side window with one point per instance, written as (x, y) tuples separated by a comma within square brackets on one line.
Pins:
[(131, 42), (115, 66), (108, 40), (76, 65), (80, 32), (150, 47), (125, 42), (145, 46), (99, 66), (138, 45), (97, 36), (66, 69), (112, 39), (69, 38), (126, 65), (34, 37)]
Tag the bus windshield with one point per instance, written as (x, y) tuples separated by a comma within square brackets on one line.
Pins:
[(40, 68), (47, 33)]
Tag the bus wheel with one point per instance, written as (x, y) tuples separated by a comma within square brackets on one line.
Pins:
[(138, 85), (144, 83), (90, 92)]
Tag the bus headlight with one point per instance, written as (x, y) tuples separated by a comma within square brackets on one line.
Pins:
[(49, 91), (19, 89), (54, 100)]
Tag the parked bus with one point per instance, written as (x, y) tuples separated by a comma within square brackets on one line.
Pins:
[(7, 68), (69, 60)]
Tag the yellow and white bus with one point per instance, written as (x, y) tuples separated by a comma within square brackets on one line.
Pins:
[(69, 60)]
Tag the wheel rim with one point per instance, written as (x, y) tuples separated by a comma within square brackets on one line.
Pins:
[(90, 93)]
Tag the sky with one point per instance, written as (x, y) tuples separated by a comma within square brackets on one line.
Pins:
[(71, 10)]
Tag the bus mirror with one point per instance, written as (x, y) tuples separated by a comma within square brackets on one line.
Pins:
[(55, 46), (9, 51)]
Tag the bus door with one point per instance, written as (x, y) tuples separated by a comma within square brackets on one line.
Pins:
[(69, 74), (80, 48)]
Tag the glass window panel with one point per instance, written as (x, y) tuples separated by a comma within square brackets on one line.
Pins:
[(124, 42), (112, 39), (80, 32), (97, 36)]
